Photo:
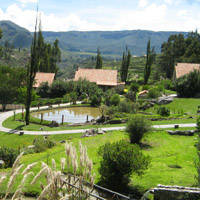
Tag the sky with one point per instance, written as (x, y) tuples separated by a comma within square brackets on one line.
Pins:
[(110, 15)]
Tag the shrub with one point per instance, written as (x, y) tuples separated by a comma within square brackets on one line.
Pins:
[(115, 99), (188, 85), (134, 87), (127, 107), (145, 87), (107, 96), (163, 111), (41, 144), (58, 89), (153, 93), (168, 84), (120, 89), (8, 155), (136, 127), (119, 161), (95, 101), (43, 90)]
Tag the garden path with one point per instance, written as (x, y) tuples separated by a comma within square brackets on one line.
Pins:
[(5, 115)]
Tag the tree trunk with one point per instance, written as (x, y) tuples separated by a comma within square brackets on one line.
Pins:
[(3, 107)]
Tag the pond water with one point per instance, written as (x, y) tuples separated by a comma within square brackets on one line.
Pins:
[(71, 115)]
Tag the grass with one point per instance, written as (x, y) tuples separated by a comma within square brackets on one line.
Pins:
[(181, 106), (165, 151), (19, 125)]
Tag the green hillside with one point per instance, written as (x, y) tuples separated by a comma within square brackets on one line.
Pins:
[(84, 43), (15, 35)]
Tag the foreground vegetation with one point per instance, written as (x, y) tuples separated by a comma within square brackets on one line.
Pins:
[(172, 157)]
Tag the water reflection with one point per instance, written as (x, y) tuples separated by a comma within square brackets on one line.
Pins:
[(71, 115)]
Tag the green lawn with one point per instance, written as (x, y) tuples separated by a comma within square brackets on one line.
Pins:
[(182, 105), (165, 150)]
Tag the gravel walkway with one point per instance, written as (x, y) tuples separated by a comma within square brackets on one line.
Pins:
[(5, 115)]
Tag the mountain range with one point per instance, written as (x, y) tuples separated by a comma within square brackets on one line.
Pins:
[(109, 42)]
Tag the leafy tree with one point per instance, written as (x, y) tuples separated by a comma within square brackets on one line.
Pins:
[(188, 85), (126, 59), (99, 61), (136, 127), (150, 58), (115, 99), (43, 90), (171, 51), (10, 80), (21, 95), (58, 89), (119, 161)]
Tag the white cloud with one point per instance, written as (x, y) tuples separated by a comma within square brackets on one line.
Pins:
[(142, 3), (168, 1), (26, 18), (28, 1), (151, 17)]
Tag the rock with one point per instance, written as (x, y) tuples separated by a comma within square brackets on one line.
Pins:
[(184, 133), (62, 141), (31, 147), (2, 163), (54, 124), (101, 132), (165, 100), (21, 133)]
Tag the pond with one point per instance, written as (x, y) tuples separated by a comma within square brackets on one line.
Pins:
[(71, 114)]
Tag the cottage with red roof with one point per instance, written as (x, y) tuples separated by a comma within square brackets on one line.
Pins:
[(102, 77), (182, 69), (42, 77)]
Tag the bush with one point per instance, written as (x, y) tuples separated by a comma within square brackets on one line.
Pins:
[(136, 127), (163, 111), (134, 87), (119, 161), (41, 144), (120, 89), (43, 90), (188, 85), (8, 155), (115, 99), (168, 84), (58, 89), (154, 93), (95, 101), (127, 107)]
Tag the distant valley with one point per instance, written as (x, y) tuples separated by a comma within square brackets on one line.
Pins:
[(86, 42)]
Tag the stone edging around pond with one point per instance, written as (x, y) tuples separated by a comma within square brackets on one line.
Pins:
[(5, 115)]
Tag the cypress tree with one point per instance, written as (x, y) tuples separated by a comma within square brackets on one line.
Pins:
[(32, 68), (99, 61), (126, 60), (150, 58)]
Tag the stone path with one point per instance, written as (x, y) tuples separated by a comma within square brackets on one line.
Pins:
[(5, 115)]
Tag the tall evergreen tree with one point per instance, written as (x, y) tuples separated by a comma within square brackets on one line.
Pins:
[(32, 68), (99, 61), (150, 58), (126, 59), (1, 34)]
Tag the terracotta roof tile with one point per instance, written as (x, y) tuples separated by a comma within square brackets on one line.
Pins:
[(42, 77), (99, 76), (182, 69)]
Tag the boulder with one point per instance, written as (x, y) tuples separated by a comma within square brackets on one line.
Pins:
[(2, 163), (165, 100), (184, 133), (54, 124)]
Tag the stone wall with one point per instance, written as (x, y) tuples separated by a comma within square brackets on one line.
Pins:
[(162, 192)]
